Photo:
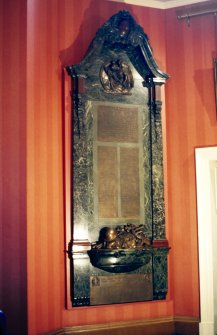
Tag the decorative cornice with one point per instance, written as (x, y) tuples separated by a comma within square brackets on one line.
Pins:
[(160, 4)]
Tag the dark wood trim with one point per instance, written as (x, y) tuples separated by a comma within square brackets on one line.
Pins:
[(186, 326), (160, 244), (160, 326)]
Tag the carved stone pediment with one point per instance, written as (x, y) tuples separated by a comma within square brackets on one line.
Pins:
[(122, 32)]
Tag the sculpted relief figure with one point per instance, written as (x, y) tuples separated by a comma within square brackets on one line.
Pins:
[(116, 77)]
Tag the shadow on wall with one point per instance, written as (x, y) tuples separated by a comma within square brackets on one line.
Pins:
[(207, 98), (94, 17)]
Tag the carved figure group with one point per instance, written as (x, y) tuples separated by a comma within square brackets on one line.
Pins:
[(116, 77), (129, 236)]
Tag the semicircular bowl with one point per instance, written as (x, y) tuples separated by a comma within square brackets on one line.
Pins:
[(119, 260)]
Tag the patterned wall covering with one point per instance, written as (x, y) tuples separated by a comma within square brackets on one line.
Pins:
[(13, 265), (58, 32), (190, 122)]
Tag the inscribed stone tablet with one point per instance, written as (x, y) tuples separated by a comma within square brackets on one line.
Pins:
[(129, 178), (107, 182), (120, 288), (117, 124)]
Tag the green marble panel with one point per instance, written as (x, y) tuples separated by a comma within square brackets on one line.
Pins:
[(160, 274)]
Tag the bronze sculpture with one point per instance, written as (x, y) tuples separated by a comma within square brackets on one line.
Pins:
[(129, 236), (116, 77)]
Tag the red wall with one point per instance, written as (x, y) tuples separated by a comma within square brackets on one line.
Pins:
[(13, 278), (190, 122), (60, 33), (37, 41)]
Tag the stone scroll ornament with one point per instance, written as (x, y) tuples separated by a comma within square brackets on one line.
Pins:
[(116, 116)]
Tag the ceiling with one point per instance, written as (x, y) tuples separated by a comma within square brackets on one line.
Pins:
[(162, 4)]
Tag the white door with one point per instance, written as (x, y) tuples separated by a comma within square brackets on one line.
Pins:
[(206, 179)]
